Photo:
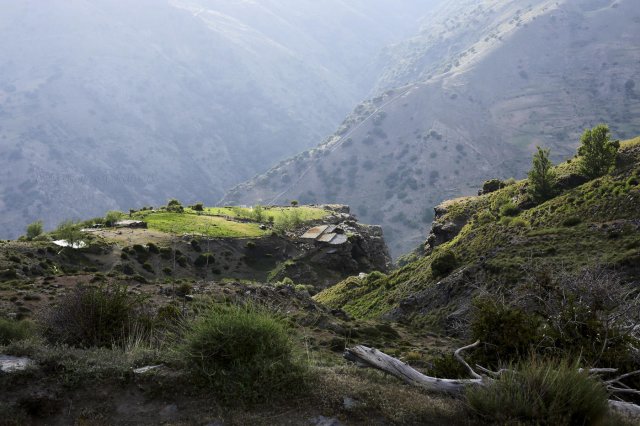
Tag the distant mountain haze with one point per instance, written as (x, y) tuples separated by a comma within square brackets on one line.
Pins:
[(465, 99), (112, 104)]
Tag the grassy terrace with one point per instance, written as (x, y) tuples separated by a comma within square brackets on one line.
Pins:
[(213, 221), (306, 213)]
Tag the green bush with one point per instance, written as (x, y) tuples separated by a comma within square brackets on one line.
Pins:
[(34, 229), (518, 222), (506, 332), (492, 185), (443, 262), (541, 393), (11, 331), (175, 206), (509, 209), (69, 231), (96, 316), (112, 217), (198, 207), (571, 221), (242, 353), (485, 217)]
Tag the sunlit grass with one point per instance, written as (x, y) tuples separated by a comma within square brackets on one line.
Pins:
[(305, 213), (212, 226)]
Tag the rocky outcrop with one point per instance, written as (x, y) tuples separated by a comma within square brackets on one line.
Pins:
[(335, 248), (443, 230)]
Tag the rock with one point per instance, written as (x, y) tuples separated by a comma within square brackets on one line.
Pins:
[(146, 369), (12, 364)]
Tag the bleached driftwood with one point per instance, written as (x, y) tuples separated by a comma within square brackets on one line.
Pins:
[(367, 357), (373, 358)]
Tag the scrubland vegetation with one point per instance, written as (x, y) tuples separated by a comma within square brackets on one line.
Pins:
[(541, 272)]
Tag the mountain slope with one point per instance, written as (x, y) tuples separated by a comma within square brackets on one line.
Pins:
[(593, 225), (519, 74), (107, 104)]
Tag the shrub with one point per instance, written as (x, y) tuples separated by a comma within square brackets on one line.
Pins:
[(506, 220), (485, 217), (112, 217), (175, 206), (258, 213), (204, 259), (542, 393), (198, 207), (597, 151), (509, 209), (96, 316), (11, 330), (242, 353), (443, 262), (492, 185), (34, 229), (571, 221), (518, 222), (506, 332), (69, 231)]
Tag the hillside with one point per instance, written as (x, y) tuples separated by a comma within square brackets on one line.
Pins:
[(106, 104), (465, 100), (590, 225), (218, 244)]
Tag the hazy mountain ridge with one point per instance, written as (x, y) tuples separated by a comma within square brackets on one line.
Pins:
[(107, 104), (529, 78)]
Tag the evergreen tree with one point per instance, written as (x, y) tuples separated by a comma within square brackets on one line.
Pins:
[(542, 178), (597, 151)]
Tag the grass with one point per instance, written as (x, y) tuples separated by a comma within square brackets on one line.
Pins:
[(11, 331), (211, 226), (214, 221), (305, 213), (541, 393)]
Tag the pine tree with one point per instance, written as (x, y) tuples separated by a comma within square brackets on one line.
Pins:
[(597, 151), (542, 178)]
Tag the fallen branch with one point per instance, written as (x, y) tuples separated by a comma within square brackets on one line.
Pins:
[(365, 357), (373, 358)]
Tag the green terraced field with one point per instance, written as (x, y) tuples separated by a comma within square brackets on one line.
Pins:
[(212, 226)]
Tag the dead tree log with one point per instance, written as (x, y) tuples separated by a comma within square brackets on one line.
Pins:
[(373, 358), (367, 357)]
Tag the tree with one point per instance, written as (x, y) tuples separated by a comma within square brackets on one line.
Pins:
[(70, 232), (258, 213), (542, 177), (597, 151), (34, 229), (112, 217), (294, 203), (174, 206)]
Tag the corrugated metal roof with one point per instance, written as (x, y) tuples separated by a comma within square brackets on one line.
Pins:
[(326, 238), (314, 232)]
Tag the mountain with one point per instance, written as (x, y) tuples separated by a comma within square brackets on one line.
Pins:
[(467, 99), (106, 104)]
